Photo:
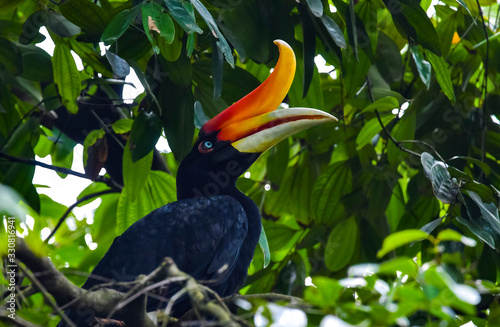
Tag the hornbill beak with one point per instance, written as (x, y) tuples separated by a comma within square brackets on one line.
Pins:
[(253, 124)]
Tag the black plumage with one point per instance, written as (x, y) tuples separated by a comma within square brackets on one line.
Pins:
[(211, 231)]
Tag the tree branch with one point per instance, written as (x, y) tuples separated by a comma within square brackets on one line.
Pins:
[(101, 301), (128, 307), (63, 170), (396, 143)]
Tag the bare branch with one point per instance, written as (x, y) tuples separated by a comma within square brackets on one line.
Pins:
[(62, 170), (396, 143)]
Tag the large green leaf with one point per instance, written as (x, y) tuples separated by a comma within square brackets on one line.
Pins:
[(371, 128), (183, 13), (382, 105), (119, 24), (10, 57), (399, 239), (264, 245), (135, 174), (341, 244), (442, 75), (145, 132), (85, 14), (334, 31), (316, 7), (86, 52), (327, 192), (154, 19), (277, 162), (66, 76), (423, 66), (221, 40), (177, 105), (412, 21)]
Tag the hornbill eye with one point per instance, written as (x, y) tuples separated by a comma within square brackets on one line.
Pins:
[(205, 147)]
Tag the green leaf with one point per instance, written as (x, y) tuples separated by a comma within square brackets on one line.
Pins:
[(122, 126), (10, 204), (412, 21), (182, 12), (308, 48), (481, 164), (334, 31), (10, 57), (327, 192), (90, 140), (452, 235), (341, 243), (382, 105), (200, 118), (324, 293), (144, 82), (277, 162), (399, 239), (62, 152), (217, 69), (489, 212), (178, 117), (145, 132), (85, 14), (423, 66), (162, 188), (221, 40), (61, 26), (316, 7), (154, 19), (120, 67), (90, 57), (135, 174), (31, 27), (120, 23), (442, 75), (400, 264), (66, 76), (264, 246), (351, 28), (463, 4), (371, 128)]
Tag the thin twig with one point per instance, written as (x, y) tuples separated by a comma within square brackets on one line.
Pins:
[(71, 207), (426, 144), (485, 83), (396, 143), (46, 296), (62, 170)]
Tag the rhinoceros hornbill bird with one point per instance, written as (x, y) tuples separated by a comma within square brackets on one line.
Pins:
[(212, 230)]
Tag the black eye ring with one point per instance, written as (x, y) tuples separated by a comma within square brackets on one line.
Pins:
[(205, 147)]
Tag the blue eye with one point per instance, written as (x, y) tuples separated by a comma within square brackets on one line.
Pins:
[(205, 147)]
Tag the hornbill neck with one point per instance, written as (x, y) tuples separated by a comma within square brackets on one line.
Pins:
[(193, 183)]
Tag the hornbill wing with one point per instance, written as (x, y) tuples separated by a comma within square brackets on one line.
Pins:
[(202, 235)]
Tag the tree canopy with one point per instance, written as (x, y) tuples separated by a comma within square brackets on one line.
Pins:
[(389, 217)]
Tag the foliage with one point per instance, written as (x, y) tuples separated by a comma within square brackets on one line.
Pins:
[(392, 212)]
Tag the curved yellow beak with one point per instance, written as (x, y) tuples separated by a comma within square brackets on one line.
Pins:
[(253, 124)]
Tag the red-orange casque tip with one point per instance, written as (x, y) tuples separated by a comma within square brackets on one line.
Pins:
[(265, 98)]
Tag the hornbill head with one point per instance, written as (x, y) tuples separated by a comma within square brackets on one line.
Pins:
[(231, 141)]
